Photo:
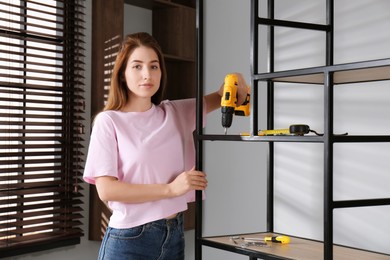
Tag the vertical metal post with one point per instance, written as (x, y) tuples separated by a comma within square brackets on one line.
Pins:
[(270, 118), (330, 32), (328, 166), (199, 125), (270, 97), (328, 136), (254, 52)]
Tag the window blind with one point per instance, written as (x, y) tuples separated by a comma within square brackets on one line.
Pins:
[(41, 124)]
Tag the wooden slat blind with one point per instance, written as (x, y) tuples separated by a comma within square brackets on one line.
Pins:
[(41, 124)]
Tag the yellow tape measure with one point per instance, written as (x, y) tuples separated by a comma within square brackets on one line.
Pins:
[(274, 132), (292, 130)]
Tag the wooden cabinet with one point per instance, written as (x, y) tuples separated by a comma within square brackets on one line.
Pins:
[(174, 28)]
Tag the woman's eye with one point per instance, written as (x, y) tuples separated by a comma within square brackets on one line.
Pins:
[(137, 67), (155, 67)]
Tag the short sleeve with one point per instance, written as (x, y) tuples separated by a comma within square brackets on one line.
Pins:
[(102, 158), (187, 112)]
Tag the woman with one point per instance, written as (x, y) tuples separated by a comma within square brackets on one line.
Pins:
[(141, 156)]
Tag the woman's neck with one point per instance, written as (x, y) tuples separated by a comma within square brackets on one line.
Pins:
[(137, 106)]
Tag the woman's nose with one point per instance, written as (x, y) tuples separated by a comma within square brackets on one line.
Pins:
[(146, 73)]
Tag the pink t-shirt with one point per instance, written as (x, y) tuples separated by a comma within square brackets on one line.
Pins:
[(148, 147)]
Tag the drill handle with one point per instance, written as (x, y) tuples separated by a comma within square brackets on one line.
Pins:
[(229, 97), (244, 108)]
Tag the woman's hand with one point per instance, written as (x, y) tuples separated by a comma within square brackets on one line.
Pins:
[(242, 89), (187, 181)]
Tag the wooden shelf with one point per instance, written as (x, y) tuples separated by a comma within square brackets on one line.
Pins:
[(366, 71), (156, 4), (298, 248), (175, 58)]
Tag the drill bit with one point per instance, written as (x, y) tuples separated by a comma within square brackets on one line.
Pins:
[(225, 130)]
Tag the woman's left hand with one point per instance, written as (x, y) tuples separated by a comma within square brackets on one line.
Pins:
[(242, 89)]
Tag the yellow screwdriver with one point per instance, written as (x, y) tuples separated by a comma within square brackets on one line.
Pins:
[(275, 239), (278, 239)]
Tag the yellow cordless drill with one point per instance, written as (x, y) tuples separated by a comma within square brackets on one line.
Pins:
[(229, 102)]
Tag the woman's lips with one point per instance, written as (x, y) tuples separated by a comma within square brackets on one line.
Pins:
[(148, 85)]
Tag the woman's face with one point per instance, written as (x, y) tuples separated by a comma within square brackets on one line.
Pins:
[(143, 73)]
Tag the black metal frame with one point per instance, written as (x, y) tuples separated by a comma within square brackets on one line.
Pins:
[(328, 139), (199, 125)]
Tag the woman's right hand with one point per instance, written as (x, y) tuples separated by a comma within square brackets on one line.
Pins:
[(187, 181)]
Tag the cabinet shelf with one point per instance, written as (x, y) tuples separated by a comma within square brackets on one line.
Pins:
[(175, 3), (356, 72), (156, 4), (298, 248), (176, 58)]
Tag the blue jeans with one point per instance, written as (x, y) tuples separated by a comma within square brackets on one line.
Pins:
[(158, 240)]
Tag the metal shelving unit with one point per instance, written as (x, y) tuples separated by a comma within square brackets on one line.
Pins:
[(328, 76)]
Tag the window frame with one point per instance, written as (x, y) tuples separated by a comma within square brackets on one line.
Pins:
[(41, 124)]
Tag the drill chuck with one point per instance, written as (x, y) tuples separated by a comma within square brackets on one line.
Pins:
[(227, 116)]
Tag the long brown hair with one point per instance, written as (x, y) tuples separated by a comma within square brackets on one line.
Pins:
[(118, 93)]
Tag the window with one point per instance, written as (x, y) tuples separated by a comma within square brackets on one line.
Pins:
[(41, 124)]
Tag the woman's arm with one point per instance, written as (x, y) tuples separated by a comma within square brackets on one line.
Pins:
[(213, 101), (111, 189)]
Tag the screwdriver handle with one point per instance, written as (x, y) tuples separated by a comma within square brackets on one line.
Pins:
[(278, 239)]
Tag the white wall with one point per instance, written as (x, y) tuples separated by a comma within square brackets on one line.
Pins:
[(235, 201), (360, 170)]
